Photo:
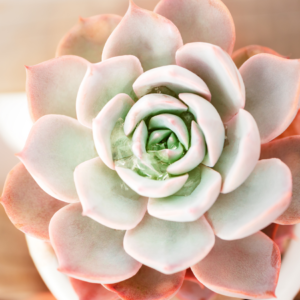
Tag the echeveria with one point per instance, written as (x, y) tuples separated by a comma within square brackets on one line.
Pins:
[(145, 171)]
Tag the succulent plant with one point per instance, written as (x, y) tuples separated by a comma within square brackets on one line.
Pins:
[(152, 172)]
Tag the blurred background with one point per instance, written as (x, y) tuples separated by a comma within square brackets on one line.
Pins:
[(30, 31)]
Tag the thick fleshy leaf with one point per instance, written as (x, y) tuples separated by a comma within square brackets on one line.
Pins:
[(210, 123), (174, 123), (193, 291), (287, 150), (200, 21), (272, 92), (169, 247), (52, 86), (105, 198), (188, 208), (177, 79), (293, 129), (105, 122), (29, 208), (56, 145), (283, 236), (220, 74), (194, 155), (149, 105), (88, 37), (148, 284), (170, 155), (246, 268), (241, 55), (92, 291), (150, 187), (87, 250), (262, 198), (241, 151), (139, 140), (116, 76), (147, 35)]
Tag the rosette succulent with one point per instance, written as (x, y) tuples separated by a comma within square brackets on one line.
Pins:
[(150, 167)]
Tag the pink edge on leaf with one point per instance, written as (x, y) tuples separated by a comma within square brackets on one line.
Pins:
[(287, 150), (191, 290), (29, 208), (293, 129), (243, 54), (272, 92), (55, 146), (145, 34), (92, 291), (88, 37), (87, 250), (52, 86), (246, 268), (148, 284), (201, 21)]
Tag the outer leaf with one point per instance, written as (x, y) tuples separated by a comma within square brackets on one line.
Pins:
[(92, 291), (88, 37), (29, 208), (241, 55), (263, 197), (116, 76), (200, 21), (105, 198), (52, 86), (287, 150), (148, 284), (193, 291), (241, 151), (87, 250), (56, 145), (272, 92), (147, 35), (246, 268), (169, 247), (219, 72)]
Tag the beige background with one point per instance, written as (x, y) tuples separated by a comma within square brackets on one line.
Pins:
[(31, 29)]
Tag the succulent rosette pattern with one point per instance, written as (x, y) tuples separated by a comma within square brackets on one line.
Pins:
[(151, 166)]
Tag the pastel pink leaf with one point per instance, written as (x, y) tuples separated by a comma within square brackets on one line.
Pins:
[(29, 208), (293, 129), (272, 92), (152, 38), (56, 145), (166, 246), (210, 124), (219, 72), (200, 21), (88, 37), (191, 290), (116, 76), (92, 291), (87, 250), (105, 198), (148, 284), (147, 187), (188, 208), (244, 268), (241, 151), (287, 150), (104, 123), (262, 198), (176, 78), (52, 86), (241, 55)]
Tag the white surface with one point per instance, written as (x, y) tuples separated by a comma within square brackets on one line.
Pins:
[(45, 261), (15, 122)]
